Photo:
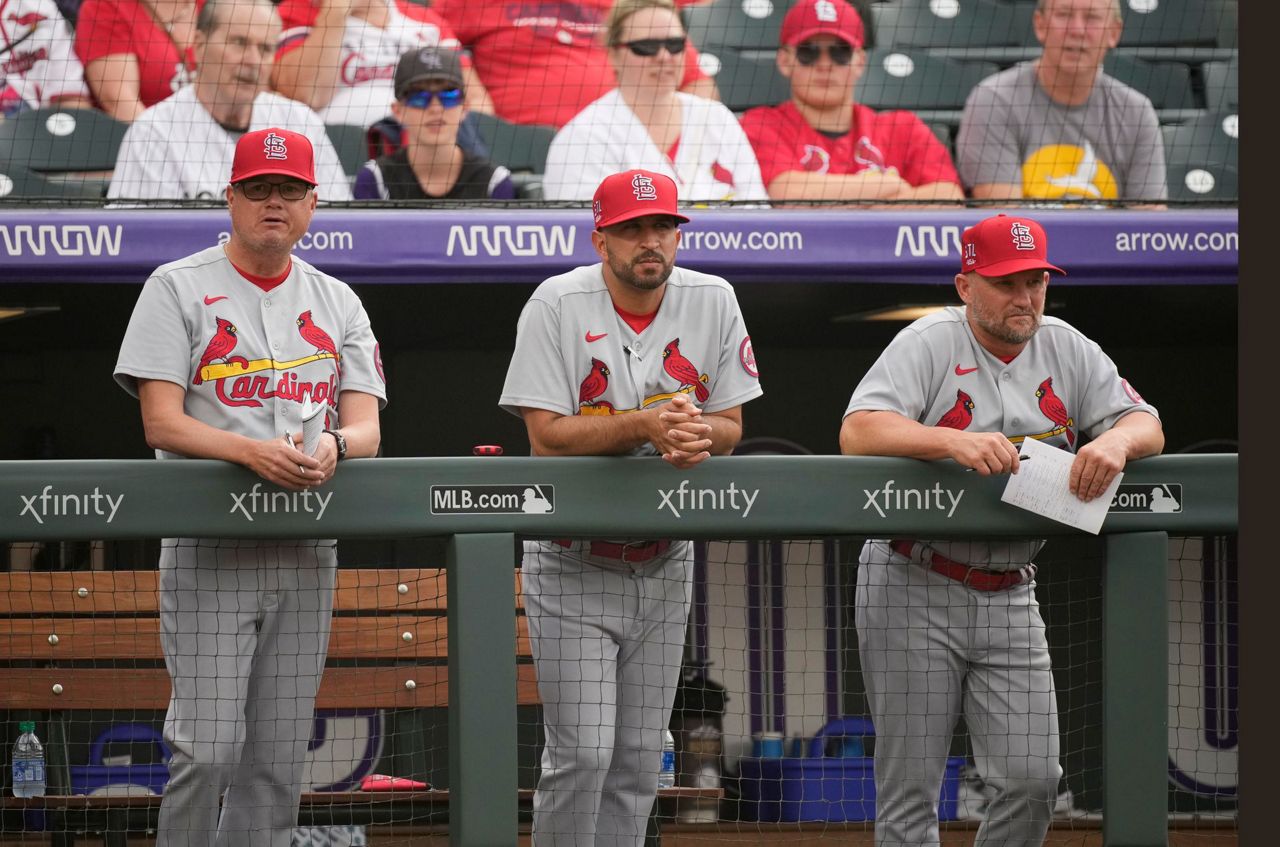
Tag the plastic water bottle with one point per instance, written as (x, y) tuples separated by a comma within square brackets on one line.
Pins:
[(28, 762), (667, 773)]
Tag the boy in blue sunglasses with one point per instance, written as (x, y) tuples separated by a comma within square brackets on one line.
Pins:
[(430, 94)]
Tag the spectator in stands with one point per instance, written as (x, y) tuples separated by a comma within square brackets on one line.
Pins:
[(339, 56), (820, 145), (182, 147), (646, 122), (430, 93), (543, 63), (135, 52), (38, 67), (1059, 128)]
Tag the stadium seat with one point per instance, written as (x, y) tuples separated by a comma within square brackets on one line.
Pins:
[(746, 80), (19, 182), (944, 23), (1213, 137), (934, 87), (352, 145), (1166, 84), (1204, 182), (521, 147), (62, 140), (1172, 23), (1222, 85), (741, 24)]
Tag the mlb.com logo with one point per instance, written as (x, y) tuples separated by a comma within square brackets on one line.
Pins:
[(533, 498)]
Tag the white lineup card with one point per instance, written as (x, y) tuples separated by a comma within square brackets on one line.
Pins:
[(312, 425), (1041, 486)]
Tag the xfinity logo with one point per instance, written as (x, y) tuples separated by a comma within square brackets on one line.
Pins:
[(46, 504), (258, 502), (687, 499), (919, 499)]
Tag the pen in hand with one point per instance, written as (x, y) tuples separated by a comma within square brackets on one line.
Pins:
[(288, 439), (1020, 459)]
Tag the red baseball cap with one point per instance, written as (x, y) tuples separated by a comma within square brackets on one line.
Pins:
[(274, 151), (822, 17), (1004, 245), (634, 194)]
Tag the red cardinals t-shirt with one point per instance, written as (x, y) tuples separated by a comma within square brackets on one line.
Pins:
[(111, 27), (542, 61), (784, 141)]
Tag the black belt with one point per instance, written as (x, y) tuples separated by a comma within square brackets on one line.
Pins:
[(631, 552), (979, 579)]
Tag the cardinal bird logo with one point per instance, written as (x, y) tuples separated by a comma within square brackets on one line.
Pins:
[(220, 346), (960, 415), (1054, 409), (314, 335), (682, 370), (594, 385)]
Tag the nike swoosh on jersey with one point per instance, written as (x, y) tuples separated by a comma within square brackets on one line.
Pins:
[(962, 371), (591, 336), (209, 301)]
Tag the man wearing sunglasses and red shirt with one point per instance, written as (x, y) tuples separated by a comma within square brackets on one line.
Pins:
[(430, 92), (820, 145)]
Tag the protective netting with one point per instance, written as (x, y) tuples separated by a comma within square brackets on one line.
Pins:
[(784, 681), (743, 101)]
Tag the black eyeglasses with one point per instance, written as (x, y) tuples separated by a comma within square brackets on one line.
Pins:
[(261, 189), (808, 53), (650, 46), (421, 99)]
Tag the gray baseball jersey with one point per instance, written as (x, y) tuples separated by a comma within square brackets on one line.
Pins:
[(1108, 148), (931, 647), (246, 357), (575, 355), (607, 635), (1062, 384), (249, 619)]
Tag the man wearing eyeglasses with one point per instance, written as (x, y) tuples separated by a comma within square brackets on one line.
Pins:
[(820, 145), (430, 90), (224, 350), (181, 148)]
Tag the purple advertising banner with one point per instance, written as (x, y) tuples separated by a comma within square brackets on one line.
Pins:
[(1096, 247)]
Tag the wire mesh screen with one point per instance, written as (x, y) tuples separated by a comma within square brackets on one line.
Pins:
[(768, 684), (744, 102)]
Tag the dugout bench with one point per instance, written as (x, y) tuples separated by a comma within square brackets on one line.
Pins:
[(89, 640)]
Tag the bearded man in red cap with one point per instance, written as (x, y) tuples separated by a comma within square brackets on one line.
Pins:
[(215, 355), (951, 627), (592, 375)]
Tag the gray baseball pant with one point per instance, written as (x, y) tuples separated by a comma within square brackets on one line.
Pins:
[(608, 639), (245, 630), (931, 648)]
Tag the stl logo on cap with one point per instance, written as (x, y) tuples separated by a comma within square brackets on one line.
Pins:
[(1022, 237), (643, 187), (825, 11), (273, 146), (971, 254)]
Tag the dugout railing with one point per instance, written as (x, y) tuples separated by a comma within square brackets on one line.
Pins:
[(477, 503)]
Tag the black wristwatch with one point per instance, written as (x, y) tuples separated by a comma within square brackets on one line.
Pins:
[(342, 443)]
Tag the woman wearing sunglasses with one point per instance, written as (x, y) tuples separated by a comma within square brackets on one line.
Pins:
[(646, 122), (820, 145), (429, 105)]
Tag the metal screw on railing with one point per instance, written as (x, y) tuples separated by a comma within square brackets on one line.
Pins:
[(53, 638), (409, 684), (57, 688), (82, 592), (408, 636), (402, 589)]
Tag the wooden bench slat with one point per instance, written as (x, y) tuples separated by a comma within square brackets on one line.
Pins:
[(148, 688), (134, 592), (28, 639)]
